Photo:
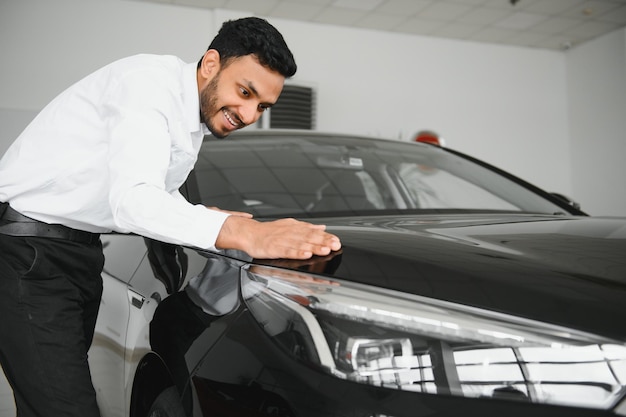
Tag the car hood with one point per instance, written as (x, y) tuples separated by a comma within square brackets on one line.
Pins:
[(569, 271)]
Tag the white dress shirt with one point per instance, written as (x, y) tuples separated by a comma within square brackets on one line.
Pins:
[(111, 151)]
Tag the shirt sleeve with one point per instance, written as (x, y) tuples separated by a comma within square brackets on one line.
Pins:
[(143, 111)]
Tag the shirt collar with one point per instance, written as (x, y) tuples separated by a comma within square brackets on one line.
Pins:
[(191, 99)]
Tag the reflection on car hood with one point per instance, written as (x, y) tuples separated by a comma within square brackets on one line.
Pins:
[(569, 271)]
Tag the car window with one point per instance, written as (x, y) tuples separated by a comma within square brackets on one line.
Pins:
[(304, 176), (432, 188)]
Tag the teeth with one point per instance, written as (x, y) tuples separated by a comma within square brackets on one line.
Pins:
[(232, 122)]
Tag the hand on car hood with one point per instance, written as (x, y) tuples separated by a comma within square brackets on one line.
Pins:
[(567, 270)]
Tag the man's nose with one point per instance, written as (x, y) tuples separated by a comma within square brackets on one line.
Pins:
[(250, 114)]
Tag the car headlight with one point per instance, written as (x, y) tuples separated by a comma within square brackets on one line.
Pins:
[(402, 341)]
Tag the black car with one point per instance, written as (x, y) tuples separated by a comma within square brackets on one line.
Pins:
[(460, 290)]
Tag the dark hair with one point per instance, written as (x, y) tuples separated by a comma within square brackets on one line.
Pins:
[(254, 36)]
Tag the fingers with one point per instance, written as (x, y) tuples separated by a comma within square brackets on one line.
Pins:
[(313, 240), (333, 242), (294, 239)]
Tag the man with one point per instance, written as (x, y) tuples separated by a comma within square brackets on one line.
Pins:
[(109, 154)]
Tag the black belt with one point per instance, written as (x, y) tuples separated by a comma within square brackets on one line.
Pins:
[(14, 223)]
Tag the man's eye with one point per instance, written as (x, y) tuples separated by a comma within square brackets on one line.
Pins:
[(245, 92)]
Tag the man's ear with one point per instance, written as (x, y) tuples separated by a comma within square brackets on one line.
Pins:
[(210, 64)]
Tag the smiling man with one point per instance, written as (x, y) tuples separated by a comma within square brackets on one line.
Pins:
[(228, 109), (109, 154)]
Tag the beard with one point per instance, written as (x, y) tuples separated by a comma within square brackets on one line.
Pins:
[(208, 106)]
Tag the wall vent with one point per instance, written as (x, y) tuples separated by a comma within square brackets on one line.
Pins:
[(294, 109)]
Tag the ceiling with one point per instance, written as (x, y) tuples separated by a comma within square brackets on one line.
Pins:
[(548, 24)]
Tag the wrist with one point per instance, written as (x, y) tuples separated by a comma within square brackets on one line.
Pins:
[(235, 233)]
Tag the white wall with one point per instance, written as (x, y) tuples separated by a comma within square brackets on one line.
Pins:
[(597, 97), (47, 45), (506, 105), (497, 103)]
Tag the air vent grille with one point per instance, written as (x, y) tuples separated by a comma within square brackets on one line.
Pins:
[(294, 109)]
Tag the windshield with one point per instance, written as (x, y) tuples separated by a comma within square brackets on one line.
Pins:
[(304, 175)]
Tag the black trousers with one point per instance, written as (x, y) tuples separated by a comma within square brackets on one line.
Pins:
[(50, 292)]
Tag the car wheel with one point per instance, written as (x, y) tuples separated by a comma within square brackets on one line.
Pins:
[(167, 404)]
